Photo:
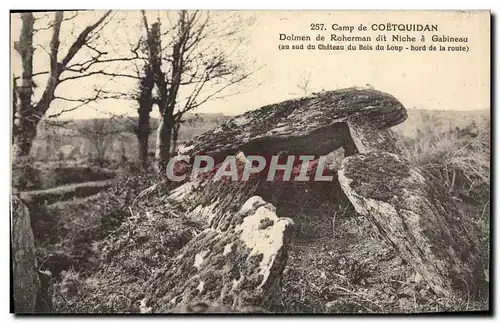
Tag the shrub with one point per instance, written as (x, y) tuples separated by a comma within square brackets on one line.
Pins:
[(457, 157)]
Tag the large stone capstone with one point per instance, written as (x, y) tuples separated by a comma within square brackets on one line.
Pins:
[(313, 125)]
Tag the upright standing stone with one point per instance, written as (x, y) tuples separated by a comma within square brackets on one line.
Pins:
[(25, 274), (417, 217)]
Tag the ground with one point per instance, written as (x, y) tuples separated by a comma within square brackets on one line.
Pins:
[(338, 263)]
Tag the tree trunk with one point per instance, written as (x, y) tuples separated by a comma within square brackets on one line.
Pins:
[(143, 138), (23, 141), (24, 128), (163, 139), (168, 90), (21, 156), (175, 137), (27, 119), (145, 106), (14, 108)]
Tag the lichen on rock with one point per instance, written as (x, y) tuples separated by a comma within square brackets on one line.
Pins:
[(240, 266)]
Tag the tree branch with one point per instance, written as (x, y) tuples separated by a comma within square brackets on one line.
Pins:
[(33, 74), (48, 93), (82, 38), (50, 26), (82, 75)]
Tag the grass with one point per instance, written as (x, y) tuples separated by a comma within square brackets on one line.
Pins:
[(124, 256), (457, 157), (65, 231)]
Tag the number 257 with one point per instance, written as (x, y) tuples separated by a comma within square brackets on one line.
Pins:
[(317, 26)]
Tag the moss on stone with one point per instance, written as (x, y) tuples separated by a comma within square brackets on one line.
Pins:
[(377, 175)]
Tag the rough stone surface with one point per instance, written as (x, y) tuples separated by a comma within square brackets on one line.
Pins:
[(313, 125), (214, 203), (237, 267), (25, 274), (416, 217), (367, 138)]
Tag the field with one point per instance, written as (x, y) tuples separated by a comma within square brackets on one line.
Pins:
[(337, 263), (77, 140)]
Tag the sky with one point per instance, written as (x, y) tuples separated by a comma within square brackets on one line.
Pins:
[(423, 80)]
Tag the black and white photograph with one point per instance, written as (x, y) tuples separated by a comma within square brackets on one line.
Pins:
[(250, 162)]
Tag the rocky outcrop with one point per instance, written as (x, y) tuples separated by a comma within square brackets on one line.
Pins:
[(26, 283), (411, 213), (238, 260), (417, 217), (238, 265)]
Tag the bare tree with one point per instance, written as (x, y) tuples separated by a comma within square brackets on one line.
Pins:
[(100, 133), (192, 68), (61, 69), (304, 83)]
